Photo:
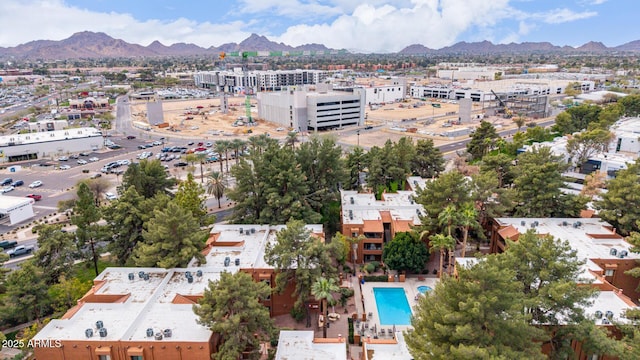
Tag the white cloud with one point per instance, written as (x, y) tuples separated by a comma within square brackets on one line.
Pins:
[(55, 20), (558, 16), (288, 8)]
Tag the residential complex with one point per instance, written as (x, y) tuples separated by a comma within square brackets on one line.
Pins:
[(147, 312), (237, 81)]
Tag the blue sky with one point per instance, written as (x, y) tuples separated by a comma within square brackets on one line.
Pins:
[(356, 25)]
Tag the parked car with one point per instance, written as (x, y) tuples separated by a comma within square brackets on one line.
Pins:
[(94, 159), (82, 162), (156, 143), (130, 137), (17, 183), (74, 156), (8, 244), (36, 183), (114, 146), (180, 164), (65, 167), (20, 250), (95, 176), (85, 154), (110, 196), (6, 189), (63, 158), (6, 181), (368, 127), (35, 197)]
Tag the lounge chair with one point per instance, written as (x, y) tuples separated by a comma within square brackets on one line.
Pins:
[(382, 331)]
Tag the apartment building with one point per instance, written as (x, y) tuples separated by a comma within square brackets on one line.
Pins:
[(377, 221), (146, 313), (236, 81), (606, 254)]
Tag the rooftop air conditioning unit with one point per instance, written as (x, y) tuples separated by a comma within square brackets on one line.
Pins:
[(149, 332), (88, 333), (623, 254), (523, 223), (240, 230), (199, 273), (613, 251), (103, 332), (237, 261), (99, 324), (598, 314), (606, 321), (158, 336), (609, 314), (167, 333), (253, 230), (227, 261), (132, 276), (351, 200)]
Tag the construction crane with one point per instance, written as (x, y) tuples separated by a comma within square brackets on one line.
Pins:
[(508, 114)]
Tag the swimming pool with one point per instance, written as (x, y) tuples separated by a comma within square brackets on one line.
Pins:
[(393, 307), (424, 288)]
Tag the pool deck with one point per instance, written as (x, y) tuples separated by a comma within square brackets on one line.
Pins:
[(410, 287)]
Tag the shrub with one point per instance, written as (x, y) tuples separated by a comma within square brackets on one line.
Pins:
[(350, 322), (369, 268), (346, 292), (297, 313), (376, 278)]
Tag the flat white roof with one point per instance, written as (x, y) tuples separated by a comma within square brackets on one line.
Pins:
[(45, 136), (608, 301), (357, 207), (299, 345), (250, 251), (8, 203), (590, 237), (398, 351)]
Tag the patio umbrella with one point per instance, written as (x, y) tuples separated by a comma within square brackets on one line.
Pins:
[(375, 328), (394, 330)]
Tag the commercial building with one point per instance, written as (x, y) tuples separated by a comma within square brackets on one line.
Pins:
[(39, 145), (15, 209), (236, 81), (313, 108), (377, 221), (146, 313)]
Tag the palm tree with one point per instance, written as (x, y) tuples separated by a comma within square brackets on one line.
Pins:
[(441, 242), (256, 144), (323, 290), (237, 145), (201, 157), (468, 218), (216, 185), (291, 139), (519, 121), (448, 217), (221, 147)]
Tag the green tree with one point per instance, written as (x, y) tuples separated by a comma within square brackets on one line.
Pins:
[(221, 147), (519, 120), (356, 160), (323, 290), (538, 186), (65, 294), (55, 252), (125, 219), (467, 219), (428, 161), (475, 316), (171, 239), (26, 297), (588, 143), (88, 233), (631, 105), (98, 187), (620, 205), (148, 177), (216, 186), (3, 272), (232, 308), (502, 165), (448, 218), (190, 197), (482, 140), (441, 243), (406, 252), (300, 258), (450, 188), (548, 270), (576, 118)]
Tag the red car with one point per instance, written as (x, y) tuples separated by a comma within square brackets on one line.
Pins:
[(35, 197), (198, 149), (130, 137), (200, 144)]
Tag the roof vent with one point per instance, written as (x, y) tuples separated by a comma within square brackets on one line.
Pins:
[(99, 324), (199, 273), (103, 332), (613, 251), (167, 333), (88, 333), (149, 332), (132, 276), (598, 314), (237, 261), (227, 261), (158, 336)]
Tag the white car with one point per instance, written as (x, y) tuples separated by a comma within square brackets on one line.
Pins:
[(82, 162), (65, 167), (37, 183), (124, 162), (93, 159), (63, 158), (6, 189), (110, 196)]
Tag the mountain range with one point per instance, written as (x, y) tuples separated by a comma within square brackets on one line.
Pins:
[(89, 44)]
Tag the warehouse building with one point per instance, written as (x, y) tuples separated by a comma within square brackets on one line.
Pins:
[(39, 145)]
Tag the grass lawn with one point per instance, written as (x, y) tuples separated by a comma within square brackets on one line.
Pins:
[(86, 272)]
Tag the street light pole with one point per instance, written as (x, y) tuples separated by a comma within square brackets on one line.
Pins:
[(358, 133)]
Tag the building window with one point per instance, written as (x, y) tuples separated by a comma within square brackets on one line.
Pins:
[(609, 272), (104, 357), (354, 234), (136, 357)]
